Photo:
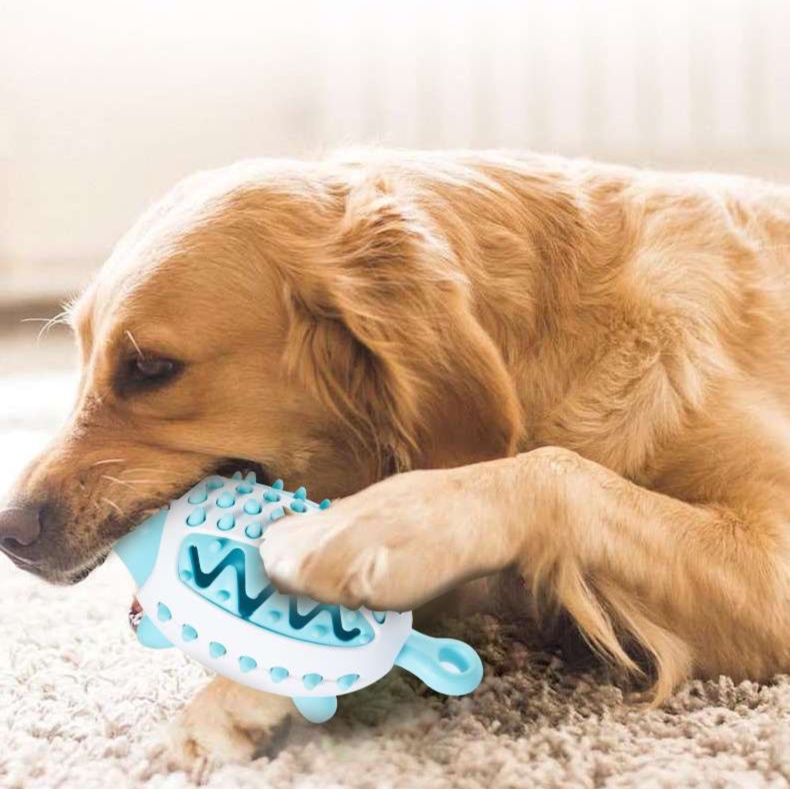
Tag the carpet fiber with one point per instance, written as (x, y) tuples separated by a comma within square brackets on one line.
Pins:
[(83, 706)]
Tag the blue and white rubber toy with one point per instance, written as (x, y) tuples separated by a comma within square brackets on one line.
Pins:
[(203, 588)]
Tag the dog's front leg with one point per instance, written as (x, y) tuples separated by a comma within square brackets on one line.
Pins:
[(696, 585), (229, 722), (400, 542)]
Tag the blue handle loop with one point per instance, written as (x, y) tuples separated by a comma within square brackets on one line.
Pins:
[(444, 664)]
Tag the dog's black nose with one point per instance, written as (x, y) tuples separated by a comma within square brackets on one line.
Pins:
[(20, 527)]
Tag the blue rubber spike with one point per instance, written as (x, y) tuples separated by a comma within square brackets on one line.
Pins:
[(278, 484), (188, 633), (199, 496), (252, 507), (324, 504), (225, 500), (197, 516), (253, 531), (247, 664), (300, 493), (236, 475), (347, 680), (444, 664), (316, 709), (277, 514), (311, 681), (251, 478), (149, 635), (216, 650), (278, 673), (226, 523)]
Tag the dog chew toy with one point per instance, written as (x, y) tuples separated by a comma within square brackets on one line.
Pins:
[(203, 588)]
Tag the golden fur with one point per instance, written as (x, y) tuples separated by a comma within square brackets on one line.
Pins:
[(583, 369)]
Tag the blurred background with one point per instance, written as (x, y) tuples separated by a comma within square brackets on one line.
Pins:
[(105, 105)]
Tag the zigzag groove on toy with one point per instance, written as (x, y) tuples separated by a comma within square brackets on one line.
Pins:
[(249, 605)]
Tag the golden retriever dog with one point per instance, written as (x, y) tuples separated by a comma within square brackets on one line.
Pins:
[(531, 381)]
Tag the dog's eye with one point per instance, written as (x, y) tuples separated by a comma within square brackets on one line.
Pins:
[(146, 372), (152, 369)]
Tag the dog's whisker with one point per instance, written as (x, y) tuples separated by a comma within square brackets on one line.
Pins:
[(114, 505), (108, 461), (135, 469), (140, 468), (160, 479), (60, 318), (134, 343), (128, 483)]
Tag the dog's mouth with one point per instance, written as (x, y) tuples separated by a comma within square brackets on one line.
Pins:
[(228, 467), (135, 614)]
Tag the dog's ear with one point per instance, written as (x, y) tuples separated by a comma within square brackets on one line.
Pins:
[(384, 330)]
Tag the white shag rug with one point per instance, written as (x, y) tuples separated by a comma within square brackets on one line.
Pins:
[(83, 706)]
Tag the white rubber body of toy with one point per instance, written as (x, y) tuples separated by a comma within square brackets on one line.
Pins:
[(242, 638)]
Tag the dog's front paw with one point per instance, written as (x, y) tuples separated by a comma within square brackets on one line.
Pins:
[(387, 547), (227, 722)]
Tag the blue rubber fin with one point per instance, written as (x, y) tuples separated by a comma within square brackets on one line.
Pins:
[(138, 549), (316, 709), (444, 664), (149, 635)]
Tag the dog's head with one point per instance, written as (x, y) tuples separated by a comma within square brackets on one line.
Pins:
[(299, 320)]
